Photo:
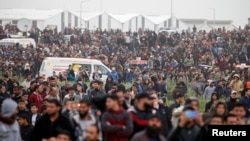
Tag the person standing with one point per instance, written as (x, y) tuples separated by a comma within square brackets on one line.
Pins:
[(49, 124), (188, 128), (97, 97), (9, 128), (209, 91), (97, 74), (17, 93), (232, 100), (3, 93), (72, 96), (116, 122), (162, 112), (114, 75), (246, 102), (22, 108), (37, 97), (71, 74), (236, 84), (34, 114), (61, 136), (26, 82), (25, 127), (141, 112), (180, 99), (53, 94), (92, 133), (83, 119), (152, 131)]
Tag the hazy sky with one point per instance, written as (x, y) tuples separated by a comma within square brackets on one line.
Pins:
[(236, 10)]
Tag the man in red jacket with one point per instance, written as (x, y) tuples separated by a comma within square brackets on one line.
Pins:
[(116, 123)]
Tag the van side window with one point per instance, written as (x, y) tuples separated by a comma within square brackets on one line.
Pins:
[(102, 69), (83, 67), (86, 67)]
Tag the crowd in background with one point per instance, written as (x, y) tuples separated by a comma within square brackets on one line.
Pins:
[(132, 103)]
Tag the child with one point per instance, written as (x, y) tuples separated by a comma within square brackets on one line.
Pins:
[(25, 127), (35, 115)]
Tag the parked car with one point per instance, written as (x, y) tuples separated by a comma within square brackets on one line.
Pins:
[(169, 30)]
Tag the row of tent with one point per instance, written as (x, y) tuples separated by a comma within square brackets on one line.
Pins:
[(43, 14), (51, 16)]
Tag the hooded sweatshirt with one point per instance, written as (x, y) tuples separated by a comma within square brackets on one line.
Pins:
[(9, 127)]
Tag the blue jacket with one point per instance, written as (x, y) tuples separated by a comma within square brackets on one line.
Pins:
[(114, 75), (227, 91), (130, 77), (215, 50)]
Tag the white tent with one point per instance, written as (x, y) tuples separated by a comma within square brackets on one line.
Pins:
[(87, 16), (40, 18), (204, 27), (220, 24), (189, 23), (122, 18), (31, 14), (157, 19)]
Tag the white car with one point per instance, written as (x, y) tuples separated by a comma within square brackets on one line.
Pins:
[(13, 41), (169, 30)]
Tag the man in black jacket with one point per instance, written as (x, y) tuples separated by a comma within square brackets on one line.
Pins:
[(163, 114), (220, 89), (97, 96), (49, 124), (233, 99)]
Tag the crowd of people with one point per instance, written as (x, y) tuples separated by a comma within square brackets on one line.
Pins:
[(133, 102)]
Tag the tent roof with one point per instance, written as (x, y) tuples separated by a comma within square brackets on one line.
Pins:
[(219, 22), (86, 16), (204, 27), (157, 19), (193, 20), (122, 17), (231, 27), (31, 14)]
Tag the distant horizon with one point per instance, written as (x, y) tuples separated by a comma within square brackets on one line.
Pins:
[(225, 10)]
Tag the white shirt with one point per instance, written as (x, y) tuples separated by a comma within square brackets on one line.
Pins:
[(175, 119), (33, 119), (26, 84)]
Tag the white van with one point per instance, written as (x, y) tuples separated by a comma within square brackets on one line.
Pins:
[(13, 41), (60, 65)]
